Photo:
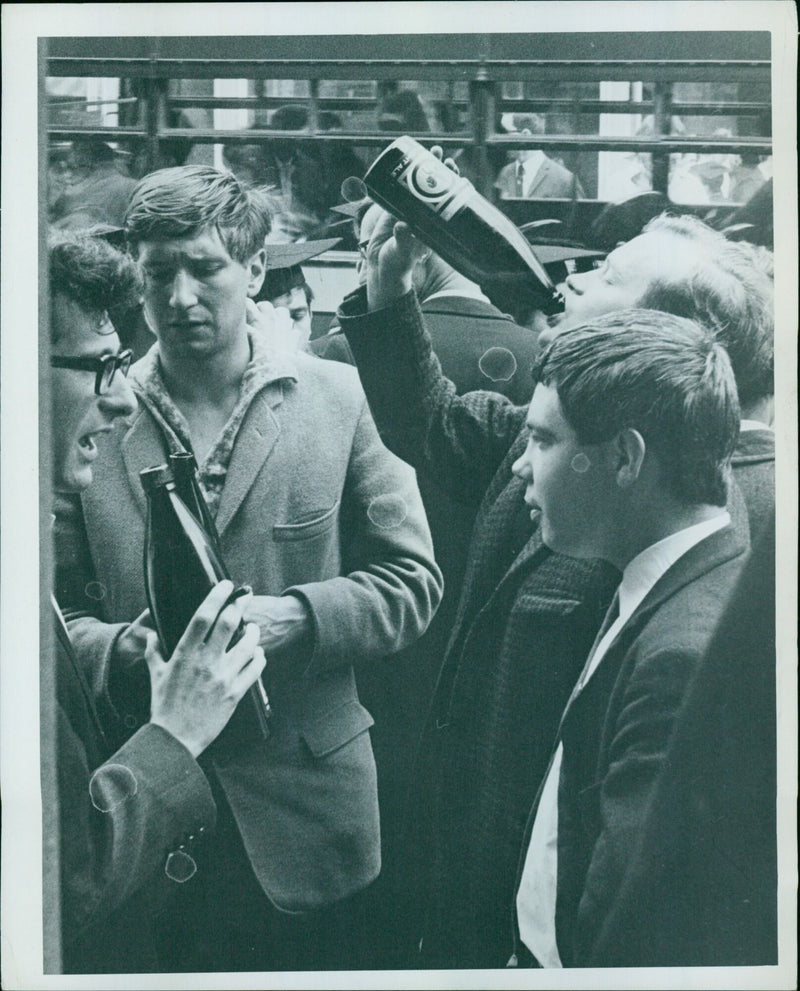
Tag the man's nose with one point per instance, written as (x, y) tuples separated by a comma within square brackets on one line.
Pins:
[(576, 281), (522, 469), (184, 291), (120, 400)]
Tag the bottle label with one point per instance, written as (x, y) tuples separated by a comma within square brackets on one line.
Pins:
[(433, 183)]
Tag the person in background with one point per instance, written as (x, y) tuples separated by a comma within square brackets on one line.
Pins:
[(631, 429), (127, 817), (526, 618), (98, 194), (402, 111), (285, 286), (531, 174), (320, 519)]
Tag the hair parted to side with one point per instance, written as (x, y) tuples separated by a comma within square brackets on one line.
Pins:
[(731, 292), (182, 201), (662, 375), (88, 270)]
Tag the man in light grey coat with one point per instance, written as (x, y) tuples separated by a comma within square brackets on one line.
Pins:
[(313, 512)]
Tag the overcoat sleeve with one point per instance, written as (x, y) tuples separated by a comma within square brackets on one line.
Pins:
[(459, 441), (120, 821)]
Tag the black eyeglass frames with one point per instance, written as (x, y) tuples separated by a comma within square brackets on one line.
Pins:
[(105, 367)]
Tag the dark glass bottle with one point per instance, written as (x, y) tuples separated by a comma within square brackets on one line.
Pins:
[(184, 473), (181, 566), (448, 214)]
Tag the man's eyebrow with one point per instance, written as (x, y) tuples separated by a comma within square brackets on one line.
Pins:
[(540, 431)]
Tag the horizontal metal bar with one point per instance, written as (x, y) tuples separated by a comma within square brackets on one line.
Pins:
[(566, 104), (382, 138), (627, 69), (584, 142), (106, 133), (62, 104), (267, 102), (591, 106), (664, 145)]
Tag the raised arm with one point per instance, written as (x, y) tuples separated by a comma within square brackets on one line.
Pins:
[(458, 440)]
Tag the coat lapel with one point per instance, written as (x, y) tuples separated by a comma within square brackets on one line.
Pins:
[(142, 446), (721, 546), (256, 438)]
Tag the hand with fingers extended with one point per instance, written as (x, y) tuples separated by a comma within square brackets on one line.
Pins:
[(392, 253), (194, 694)]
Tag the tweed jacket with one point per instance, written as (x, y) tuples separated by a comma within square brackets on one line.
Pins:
[(120, 816), (312, 503), (524, 625), (552, 181), (616, 733)]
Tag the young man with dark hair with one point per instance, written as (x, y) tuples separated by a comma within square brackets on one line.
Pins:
[(630, 433), (323, 522), (124, 815)]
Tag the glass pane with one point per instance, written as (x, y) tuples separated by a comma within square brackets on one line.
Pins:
[(623, 174)]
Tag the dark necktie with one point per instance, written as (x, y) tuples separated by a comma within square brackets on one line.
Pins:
[(519, 185), (611, 617)]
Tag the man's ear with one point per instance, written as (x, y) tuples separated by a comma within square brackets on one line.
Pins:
[(627, 451), (257, 268)]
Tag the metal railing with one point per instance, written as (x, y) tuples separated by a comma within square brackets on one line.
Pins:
[(485, 103)]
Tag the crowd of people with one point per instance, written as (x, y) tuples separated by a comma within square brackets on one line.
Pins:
[(512, 601)]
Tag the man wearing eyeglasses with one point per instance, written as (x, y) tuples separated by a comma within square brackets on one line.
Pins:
[(130, 816)]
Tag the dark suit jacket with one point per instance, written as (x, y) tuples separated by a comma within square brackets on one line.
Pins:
[(524, 624), (477, 346), (552, 181), (702, 875), (753, 466), (120, 815), (616, 734)]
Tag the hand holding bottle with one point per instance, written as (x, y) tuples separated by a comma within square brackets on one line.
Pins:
[(446, 212), (195, 692)]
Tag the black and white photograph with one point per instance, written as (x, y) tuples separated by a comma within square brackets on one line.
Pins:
[(399, 487)]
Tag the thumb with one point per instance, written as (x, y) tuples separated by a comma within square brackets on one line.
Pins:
[(152, 654), (408, 244)]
